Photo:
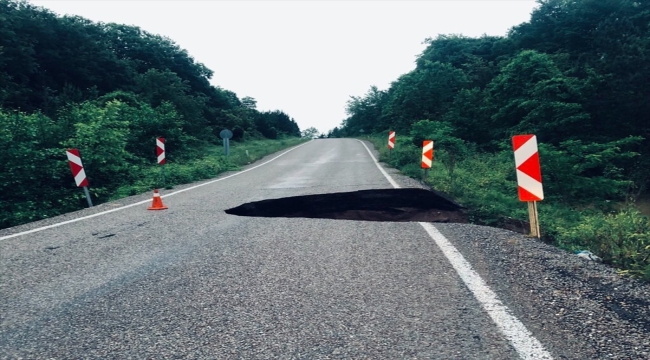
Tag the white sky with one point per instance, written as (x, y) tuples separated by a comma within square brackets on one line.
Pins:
[(307, 57)]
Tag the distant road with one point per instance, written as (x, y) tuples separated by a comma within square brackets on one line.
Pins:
[(194, 282)]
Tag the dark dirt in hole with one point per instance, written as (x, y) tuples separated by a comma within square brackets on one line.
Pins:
[(369, 205)]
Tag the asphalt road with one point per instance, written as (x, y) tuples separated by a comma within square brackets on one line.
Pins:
[(194, 282)]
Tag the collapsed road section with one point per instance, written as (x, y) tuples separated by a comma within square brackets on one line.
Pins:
[(399, 205)]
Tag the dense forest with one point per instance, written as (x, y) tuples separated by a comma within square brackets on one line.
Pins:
[(577, 76), (108, 90)]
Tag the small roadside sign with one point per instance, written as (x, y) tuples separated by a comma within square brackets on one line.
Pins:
[(226, 135)]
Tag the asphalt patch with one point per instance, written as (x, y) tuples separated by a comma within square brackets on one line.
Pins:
[(396, 205)]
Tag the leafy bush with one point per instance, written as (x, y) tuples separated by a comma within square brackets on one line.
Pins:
[(575, 171), (403, 153), (34, 176), (101, 134), (621, 239), (448, 148)]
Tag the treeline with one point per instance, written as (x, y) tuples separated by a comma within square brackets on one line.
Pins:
[(576, 75), (108, 90)]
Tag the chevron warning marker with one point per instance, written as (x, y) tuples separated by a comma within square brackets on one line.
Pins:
[(77, 168), (391, 139), (427, 154), (529, 174), (160, 150)]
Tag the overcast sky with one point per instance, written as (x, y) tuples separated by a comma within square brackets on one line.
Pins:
[(305, 58)]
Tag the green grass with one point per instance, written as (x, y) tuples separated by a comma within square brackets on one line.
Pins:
[(211, 164)]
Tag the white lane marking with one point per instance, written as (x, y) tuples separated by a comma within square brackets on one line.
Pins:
[(514, 330), (526, 345), (141, 202), (390, 179)]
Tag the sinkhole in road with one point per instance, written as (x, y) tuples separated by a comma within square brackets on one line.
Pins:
[(399, 205)]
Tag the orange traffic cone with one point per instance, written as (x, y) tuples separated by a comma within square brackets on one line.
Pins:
[(157, 202)]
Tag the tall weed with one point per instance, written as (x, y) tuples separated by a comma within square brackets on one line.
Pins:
[(621, 239)]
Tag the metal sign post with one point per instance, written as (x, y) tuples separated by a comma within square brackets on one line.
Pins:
[(87, 193), (162, 175), (226, 135)]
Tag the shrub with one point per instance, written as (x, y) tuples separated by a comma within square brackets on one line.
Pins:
[(621, 239)]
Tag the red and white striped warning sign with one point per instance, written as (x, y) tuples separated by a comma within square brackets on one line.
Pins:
[(74, 159), (391, 139), (160, 150), (427, 154), (529, 173)]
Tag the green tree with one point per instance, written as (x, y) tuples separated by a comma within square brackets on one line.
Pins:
[(273, 123), (101, 135), (531, 95), (34, 175), (310, 133), (424, 93), (575, 171), (365, 113), (249, 103), (157, 86)]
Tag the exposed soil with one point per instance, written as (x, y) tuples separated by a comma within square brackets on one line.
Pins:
[(399, 205)]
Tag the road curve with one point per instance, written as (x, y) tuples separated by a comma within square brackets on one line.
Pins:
[(194, 282)]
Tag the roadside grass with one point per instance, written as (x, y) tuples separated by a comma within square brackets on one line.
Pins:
[(485, 183), (212, 163)]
